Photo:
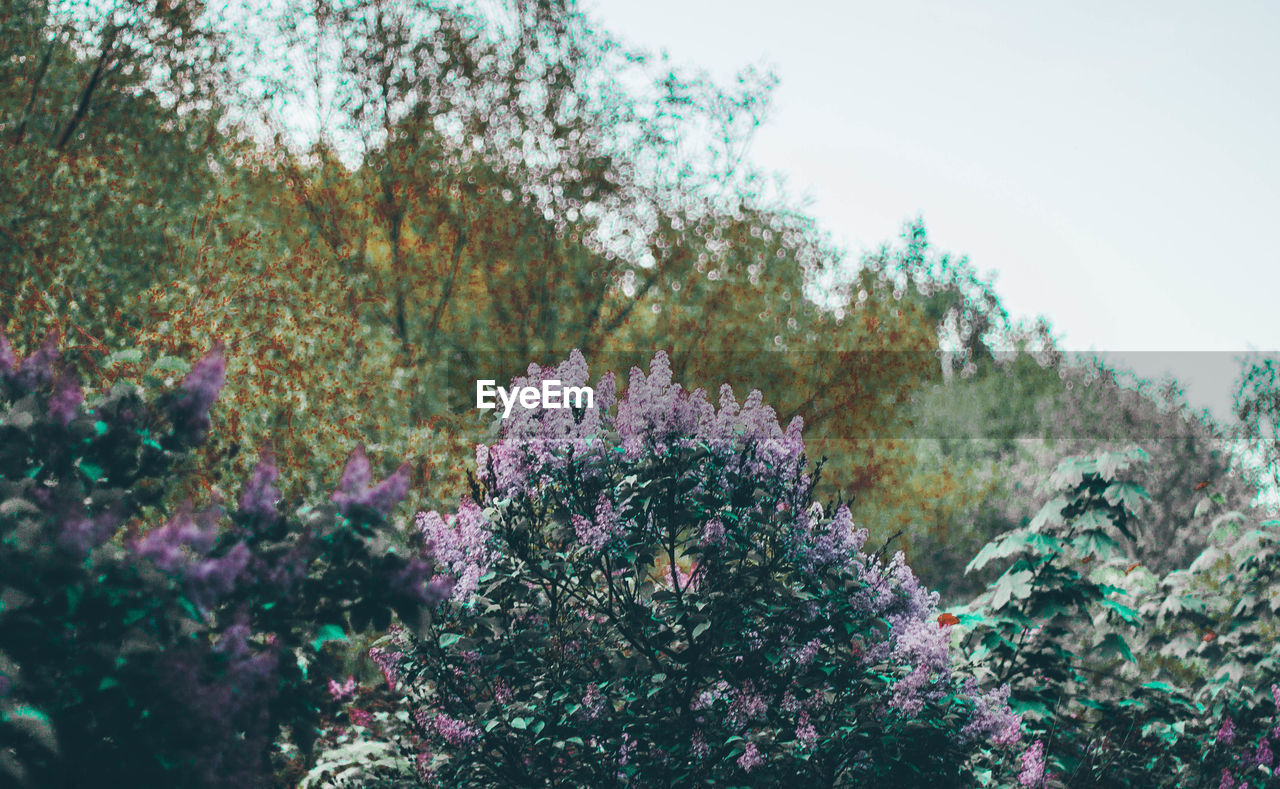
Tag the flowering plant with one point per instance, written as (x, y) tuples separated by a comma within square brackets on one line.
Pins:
[(176, 655), (648, 594)]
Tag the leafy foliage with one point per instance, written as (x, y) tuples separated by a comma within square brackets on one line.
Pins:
[(647, 595), (174, 655)]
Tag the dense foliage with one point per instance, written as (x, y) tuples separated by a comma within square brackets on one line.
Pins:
[(659, 590), (139, 653), (648, 595)]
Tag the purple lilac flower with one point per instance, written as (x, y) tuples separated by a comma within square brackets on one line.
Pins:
[(502, 692), (460, 544), (750, 758), (991, 717), (927, 649), (806, 734), (209, 579), (1033, 772), (200, 388), (344, 691), (354, 489), (164, 546), (713, 532), (592, 703), (1227, 732), (627, 749), (698, 745), (389, 662), (1263, 756), (598, 532), (37, 369), (1227, 781), (260, 494), (65, 401), (747, 705), (454, 731)]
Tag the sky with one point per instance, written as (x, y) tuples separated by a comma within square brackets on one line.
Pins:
[(1115, 165)]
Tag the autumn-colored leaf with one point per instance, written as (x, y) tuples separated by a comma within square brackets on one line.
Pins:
[(1132, 567), (1208, 636), (948, 619), (1202, 485)]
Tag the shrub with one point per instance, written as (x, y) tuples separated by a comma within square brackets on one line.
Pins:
[(171, 657), (647, 594), (1125, 678)]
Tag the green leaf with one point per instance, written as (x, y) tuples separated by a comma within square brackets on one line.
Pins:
[(1011, 584), (90, 470), (1000, 548), (449, 639), (1113, 645), (1128, 494), (1126, 613), (328, 633)]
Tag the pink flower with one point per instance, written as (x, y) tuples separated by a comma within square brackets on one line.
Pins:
[(343, 692), (750, 758)]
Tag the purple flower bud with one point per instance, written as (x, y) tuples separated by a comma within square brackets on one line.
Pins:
[(65, 400), (356, 475), (260, 495)]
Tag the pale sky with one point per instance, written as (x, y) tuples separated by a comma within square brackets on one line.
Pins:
[(1114, 164)]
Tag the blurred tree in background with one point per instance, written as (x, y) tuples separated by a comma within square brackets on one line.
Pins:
[(482, 186)]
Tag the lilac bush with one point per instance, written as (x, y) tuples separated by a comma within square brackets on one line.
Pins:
[(179, 653), (647, 594)]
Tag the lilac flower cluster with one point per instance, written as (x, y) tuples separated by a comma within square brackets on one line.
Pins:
[(461, 544), (746, 706), (654, 417), (992, 719), (344, 691), (354, 488), (199, 389), (599, 531), (36, 370), (389, 662), (260, 495), (1033, 772), (452, 730), (592, 703), (751, 758)]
